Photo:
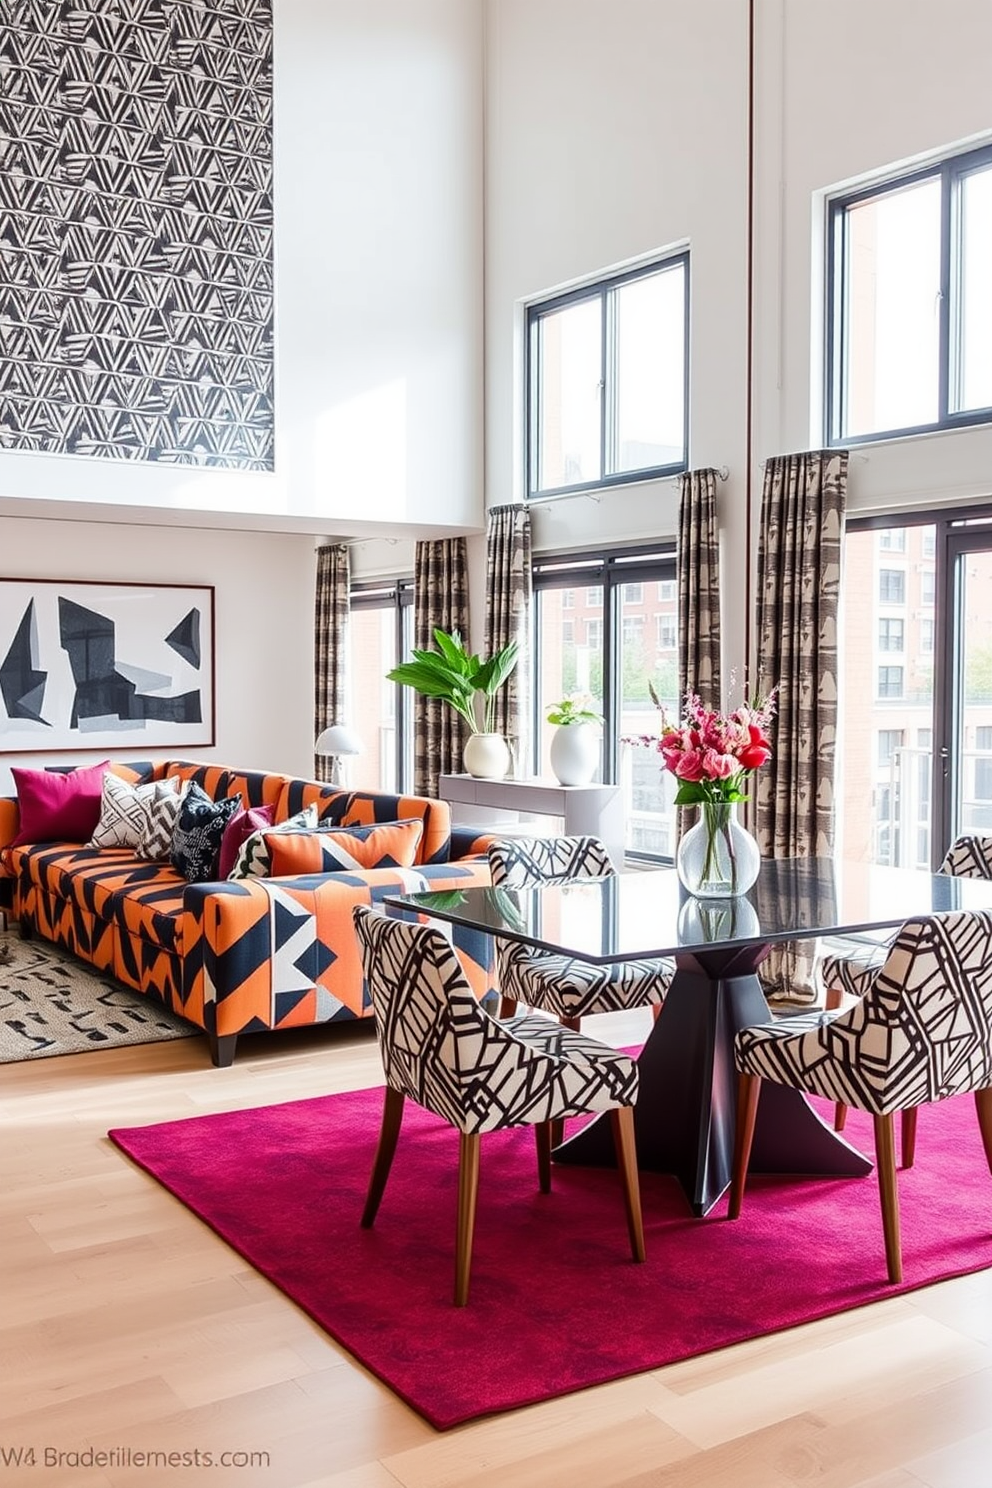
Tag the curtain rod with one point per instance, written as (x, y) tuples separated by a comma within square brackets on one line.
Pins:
[(851, 454)]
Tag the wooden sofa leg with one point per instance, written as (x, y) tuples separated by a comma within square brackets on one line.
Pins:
[(25, 928), (222, 1049)]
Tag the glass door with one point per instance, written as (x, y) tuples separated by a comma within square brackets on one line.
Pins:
[(965, 746)]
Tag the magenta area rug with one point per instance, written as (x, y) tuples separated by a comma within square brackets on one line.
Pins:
[(556, 1302)]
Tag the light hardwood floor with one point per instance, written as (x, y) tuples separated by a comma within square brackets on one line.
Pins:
[(126, 1324)]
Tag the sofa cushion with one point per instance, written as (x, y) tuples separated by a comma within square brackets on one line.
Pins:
[(238, 830), (155, 842), (149, 904), (253, 855), (198, 831), (392, 845), (56, 806), (125, 810), (111, 885), (337, 808)]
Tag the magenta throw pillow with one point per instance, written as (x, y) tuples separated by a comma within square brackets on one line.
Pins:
[(238, 830), (58, 808)]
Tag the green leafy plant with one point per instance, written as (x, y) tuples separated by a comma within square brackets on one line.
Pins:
[(467, 683), (573, 710)]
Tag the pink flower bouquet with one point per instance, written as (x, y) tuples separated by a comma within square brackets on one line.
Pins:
[(711, 753)]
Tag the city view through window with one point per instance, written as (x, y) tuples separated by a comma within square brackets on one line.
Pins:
[(889, 638)]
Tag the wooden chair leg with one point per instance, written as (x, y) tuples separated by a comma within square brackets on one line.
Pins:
[(908, 1152), (468, 1188), (833, 999), (983, 1105), (885, 1161), (558, 1126), (622, 1121), (543, 1138), (748, 1090), (392, 1116), (507, 1007)]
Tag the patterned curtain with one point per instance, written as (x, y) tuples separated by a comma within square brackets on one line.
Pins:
[(509, 590), (802, 519), (440, 602), (697, 566), (330, 640)]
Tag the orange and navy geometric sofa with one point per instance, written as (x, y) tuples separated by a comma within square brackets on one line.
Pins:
[(238, 956)]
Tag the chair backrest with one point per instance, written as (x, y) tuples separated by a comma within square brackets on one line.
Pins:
[(527, 862), (924, 1030), (438, 1045), (969, 856)]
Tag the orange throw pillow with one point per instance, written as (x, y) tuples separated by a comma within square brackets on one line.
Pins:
[(387, 845)]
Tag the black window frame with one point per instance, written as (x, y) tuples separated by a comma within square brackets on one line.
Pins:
[(602, 289), (950, 171)]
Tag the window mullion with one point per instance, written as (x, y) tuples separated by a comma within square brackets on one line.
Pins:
[(949, 239), (607, 414)]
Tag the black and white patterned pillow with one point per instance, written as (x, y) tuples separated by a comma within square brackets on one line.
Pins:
[(253, 859), (155, 842), (125, 809), (197, 833)]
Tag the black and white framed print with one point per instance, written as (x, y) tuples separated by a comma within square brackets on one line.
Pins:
[(136, 220), (105, 666)]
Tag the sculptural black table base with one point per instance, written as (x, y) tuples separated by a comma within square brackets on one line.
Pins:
[(685, 1116)]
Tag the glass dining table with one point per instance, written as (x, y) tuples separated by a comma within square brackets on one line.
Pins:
[(686, 1108)]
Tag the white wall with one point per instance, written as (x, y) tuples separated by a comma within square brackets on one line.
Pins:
[(263, 617), (378, 256), (616, 129)]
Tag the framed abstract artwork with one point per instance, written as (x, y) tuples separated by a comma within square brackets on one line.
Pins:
[(105, 666)]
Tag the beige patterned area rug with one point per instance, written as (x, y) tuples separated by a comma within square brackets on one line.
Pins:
[(50, 1003)]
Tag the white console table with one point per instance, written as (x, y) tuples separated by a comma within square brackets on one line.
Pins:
[(593, 810)]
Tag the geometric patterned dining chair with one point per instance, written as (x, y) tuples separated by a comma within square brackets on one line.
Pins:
[(441, 1049), (564, 985), (921, 1032), (969, 856)]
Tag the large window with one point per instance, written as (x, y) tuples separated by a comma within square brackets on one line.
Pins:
[(885, 751), (611, 656), (909, 343), (381, 634), (607, 381)]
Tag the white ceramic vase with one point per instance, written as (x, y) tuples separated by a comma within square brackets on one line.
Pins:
[(487, 756), (575, 752)]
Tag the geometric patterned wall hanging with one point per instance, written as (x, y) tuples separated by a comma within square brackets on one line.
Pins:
[(136, 289)]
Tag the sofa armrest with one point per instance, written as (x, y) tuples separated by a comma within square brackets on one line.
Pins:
[(10, 820), (282, 952), (469, 842)]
